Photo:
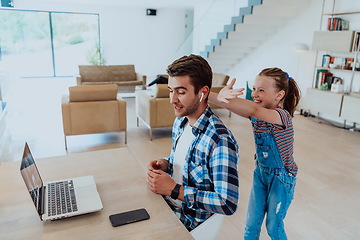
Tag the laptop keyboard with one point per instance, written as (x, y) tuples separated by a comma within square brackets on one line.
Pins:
[(61, 198)]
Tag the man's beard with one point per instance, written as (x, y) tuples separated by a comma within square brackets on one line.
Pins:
[(188, 110)]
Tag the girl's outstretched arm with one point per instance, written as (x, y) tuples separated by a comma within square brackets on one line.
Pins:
[(228, 98)]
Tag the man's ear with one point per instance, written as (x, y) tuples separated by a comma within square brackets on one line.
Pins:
[(204, 93)]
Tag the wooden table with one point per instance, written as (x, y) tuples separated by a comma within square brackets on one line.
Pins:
[(122, 186)]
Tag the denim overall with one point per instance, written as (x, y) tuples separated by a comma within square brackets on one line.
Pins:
[(272, 190)]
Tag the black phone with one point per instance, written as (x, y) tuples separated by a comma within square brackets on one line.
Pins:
[(129, 217)]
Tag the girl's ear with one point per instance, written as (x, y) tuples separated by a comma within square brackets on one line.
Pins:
[(280, 95)]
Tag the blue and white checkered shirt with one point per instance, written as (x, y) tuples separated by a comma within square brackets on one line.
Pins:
[(210, 178)]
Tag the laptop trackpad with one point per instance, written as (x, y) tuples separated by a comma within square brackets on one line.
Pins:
[(87, 196)]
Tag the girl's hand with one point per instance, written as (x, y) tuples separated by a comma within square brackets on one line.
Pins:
[(229, 93)]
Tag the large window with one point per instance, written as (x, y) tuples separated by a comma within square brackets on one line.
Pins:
[(38, 43)]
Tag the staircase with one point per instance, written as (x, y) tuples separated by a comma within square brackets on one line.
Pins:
[(247, 31)]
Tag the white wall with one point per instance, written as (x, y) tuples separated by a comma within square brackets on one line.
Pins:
[(278, 50), (152, 42), (210, 18), (128, 36)]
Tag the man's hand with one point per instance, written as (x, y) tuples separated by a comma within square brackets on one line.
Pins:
[(160, 182), (158, 164), (229, 93)]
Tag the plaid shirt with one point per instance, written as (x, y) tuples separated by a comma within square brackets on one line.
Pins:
[(211, 184)]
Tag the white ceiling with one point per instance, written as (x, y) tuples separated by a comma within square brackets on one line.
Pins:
[(140, 3)]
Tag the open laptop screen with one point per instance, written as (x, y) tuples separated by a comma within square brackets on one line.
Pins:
[(32, 178)]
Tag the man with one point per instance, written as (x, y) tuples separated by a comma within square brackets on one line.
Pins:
[(200, 177)]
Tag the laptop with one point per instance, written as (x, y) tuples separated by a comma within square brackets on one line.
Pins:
[(59, 199)]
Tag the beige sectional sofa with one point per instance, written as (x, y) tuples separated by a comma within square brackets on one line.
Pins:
[(123, 75)]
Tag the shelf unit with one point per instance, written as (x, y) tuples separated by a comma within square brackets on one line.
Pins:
[(340, 13), (338, 46), (341, 47)]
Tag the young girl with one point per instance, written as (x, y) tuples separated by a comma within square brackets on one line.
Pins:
[(275, 95)]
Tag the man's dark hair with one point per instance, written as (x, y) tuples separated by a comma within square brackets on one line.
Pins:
[(196, 67)]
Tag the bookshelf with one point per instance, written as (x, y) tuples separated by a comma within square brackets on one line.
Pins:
[(338, 54), (336, 83)]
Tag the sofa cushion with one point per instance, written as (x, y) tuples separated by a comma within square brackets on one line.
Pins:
[(129, 83), (94, 117), (161, 91), (85, 93), (121, 73), (93, 73), (96, 83)]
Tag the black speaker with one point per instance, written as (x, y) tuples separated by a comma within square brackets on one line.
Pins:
[(151, 12), (7, 3)]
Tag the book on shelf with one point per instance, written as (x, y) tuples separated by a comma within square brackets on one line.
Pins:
[(356, 42), (326, 60), (318, 77), (323, 77), (329, 81), (330, 24), (349, 63), (337, 24), (326, 78), (344, 25)]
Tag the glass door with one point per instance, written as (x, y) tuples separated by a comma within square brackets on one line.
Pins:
[(76, 41), (46, 44), (25, 43)]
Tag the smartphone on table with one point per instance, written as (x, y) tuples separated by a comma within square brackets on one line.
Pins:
[(129, 217)]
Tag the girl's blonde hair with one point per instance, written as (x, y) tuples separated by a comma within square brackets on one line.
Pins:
[(284, 82)]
